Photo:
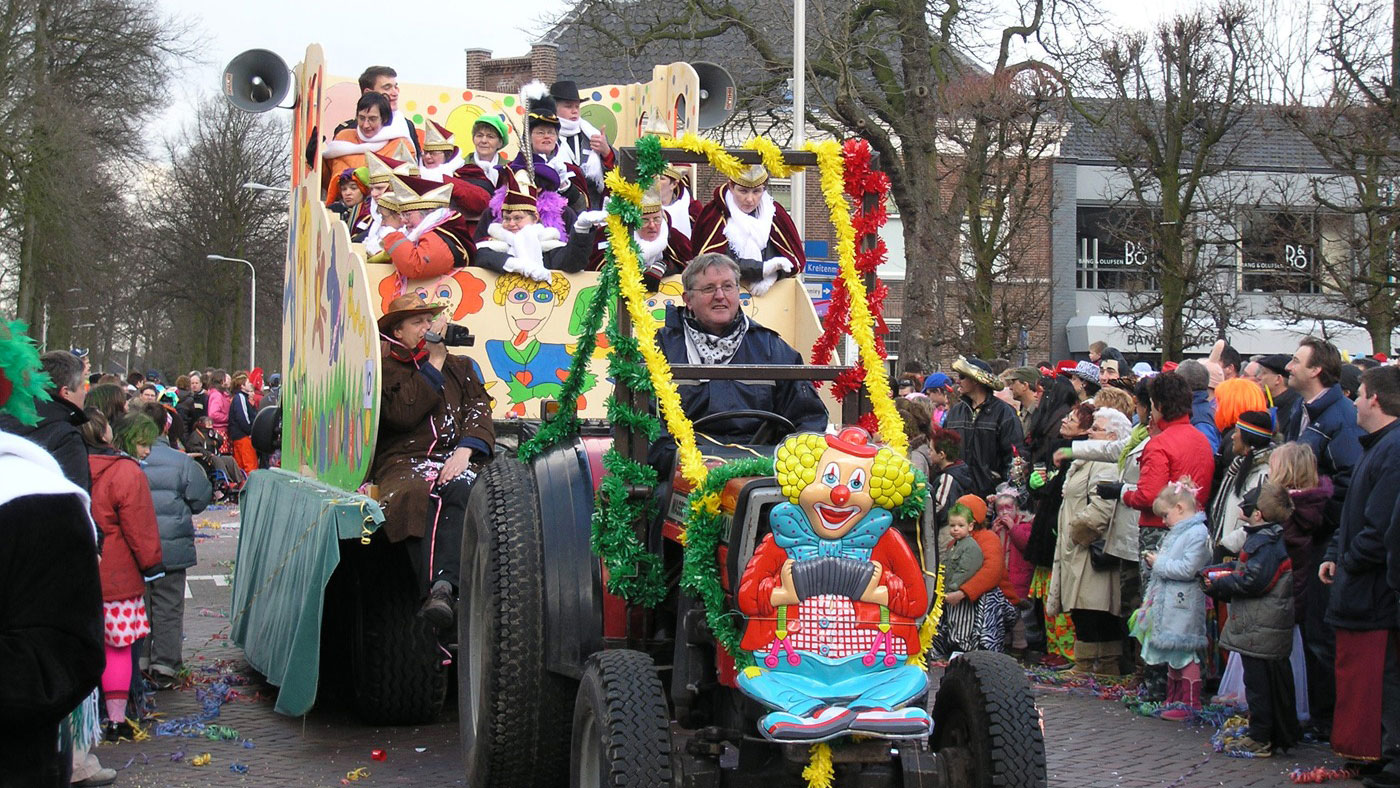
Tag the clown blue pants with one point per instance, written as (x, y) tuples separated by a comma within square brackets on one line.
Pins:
[(818, 681)]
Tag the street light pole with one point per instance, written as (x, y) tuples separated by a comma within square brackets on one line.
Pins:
[(252, 303)]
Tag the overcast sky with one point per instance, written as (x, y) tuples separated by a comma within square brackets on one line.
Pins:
[(355, 32)]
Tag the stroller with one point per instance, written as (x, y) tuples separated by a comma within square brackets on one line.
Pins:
[(206, 446)]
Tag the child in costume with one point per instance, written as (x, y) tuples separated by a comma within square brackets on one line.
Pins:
[(983, 604), (1259, 590), (962, 559), (1171, 624)]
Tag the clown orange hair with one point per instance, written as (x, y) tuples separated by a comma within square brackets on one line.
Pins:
[(1235, 396)]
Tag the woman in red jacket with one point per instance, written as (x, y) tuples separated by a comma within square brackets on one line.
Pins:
[(123, 510)]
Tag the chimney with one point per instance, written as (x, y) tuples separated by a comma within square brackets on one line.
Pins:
[(544, 62), (477, 59)]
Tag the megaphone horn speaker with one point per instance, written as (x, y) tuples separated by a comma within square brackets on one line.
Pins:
[(717, 94), (257, 80)]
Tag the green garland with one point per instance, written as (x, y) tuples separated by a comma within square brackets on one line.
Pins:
[(634, 572), (700, 574), (913, 506)]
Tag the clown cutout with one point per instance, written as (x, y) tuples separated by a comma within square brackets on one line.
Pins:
[(832, 594)]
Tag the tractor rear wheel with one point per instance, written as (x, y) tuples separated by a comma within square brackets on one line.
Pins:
[(513, 718)]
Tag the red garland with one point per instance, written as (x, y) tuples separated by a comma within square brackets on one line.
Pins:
[(860, 182)]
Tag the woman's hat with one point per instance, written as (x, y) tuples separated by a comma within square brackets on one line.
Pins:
[(1086, 371), (977, 505), (494, 123), (978, 370), (937, 380), (416, 194), (521, 195), (404, 307), (540, 109), (382, 168), (564, 90), (752, 177), (435, 137)]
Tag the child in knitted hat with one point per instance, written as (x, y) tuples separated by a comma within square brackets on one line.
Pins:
[(977, 613)]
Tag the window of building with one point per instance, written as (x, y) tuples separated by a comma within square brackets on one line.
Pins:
[(1278, 253), (1113, 253)]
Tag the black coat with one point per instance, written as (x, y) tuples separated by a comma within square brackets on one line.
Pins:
[(57, 431), (1360, 597), (193, 407), (50, 631), (989, 434)]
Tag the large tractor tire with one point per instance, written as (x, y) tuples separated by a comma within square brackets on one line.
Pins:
[(513, 713), (621, 730), (397, 665), (986, 724)]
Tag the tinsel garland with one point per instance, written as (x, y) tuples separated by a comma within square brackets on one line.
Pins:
[(862, 322), (819, 771), (860, 181), (634, 572), (929, 629), (565, 422), (704, 530), (23, 382)]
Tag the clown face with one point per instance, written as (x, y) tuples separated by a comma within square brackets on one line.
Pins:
[(840, 495), (527, 310)]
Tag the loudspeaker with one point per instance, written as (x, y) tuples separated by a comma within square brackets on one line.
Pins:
[(717, 95), (257, 80), (267, 430)]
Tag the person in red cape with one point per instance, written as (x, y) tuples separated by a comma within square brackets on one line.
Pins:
[(664, 250), (746, 223), (427, 238)]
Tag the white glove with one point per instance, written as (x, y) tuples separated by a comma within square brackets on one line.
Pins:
[(526, 244), (587, 220), (533, 270), (761, 286), (772, 268), (1233, 542)]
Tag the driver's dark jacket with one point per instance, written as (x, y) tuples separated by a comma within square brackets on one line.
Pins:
[(795, 399)]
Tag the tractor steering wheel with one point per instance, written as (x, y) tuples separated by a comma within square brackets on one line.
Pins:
[(774, 426)]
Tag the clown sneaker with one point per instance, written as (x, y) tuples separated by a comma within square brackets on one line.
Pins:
[(910, 721), (825, 723)]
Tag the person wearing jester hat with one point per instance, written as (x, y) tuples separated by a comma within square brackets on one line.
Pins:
[(665, 251), (832, 594), (746, 223), (426, 238), (519, 244), (549, 167), (380, 169), (440, 159), (51, 642), (580, 142), (682, 210)]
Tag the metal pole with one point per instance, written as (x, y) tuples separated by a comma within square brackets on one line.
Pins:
[(252, 315), (799, 111)]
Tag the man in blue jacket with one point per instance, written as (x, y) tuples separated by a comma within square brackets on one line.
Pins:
[(1362, 607), (712, 330), (1325, 421)]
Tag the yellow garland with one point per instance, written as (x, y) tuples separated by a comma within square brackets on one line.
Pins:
[(772, 157), (723, 162), (819, 773), (862, 323), (929, 629), (692, 463)]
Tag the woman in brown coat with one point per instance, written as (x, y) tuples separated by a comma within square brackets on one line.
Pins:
[(435, 433)]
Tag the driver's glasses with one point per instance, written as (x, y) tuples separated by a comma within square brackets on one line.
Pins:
[(728, 289)]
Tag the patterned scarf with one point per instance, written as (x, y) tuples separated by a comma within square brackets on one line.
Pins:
[(703, 347)]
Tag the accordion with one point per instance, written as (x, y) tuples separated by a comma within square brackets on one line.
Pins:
[(846, 577)]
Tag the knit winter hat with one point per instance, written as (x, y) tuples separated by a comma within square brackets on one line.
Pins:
[(978, 507), (1256, 428)]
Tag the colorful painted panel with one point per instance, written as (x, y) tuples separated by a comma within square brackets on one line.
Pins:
[(526, 331), (330, 347)]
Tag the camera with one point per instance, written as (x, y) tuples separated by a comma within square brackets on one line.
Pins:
[(453, 336)]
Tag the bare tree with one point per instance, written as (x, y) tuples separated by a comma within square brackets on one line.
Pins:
[(1176, 98), (965, 145), (201, 305), (1352, 125)]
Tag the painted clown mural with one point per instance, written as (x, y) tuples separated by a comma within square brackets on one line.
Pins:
[(531, 369), (832, 595)]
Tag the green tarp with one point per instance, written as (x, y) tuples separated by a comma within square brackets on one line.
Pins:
[(288, 548)]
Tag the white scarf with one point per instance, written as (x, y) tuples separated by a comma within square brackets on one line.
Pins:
[(653, 250), (679, 213), (748, 235), (374, 236), (26, 469), (488, 166), (395, 129), (579, 133), (431, 221), (436, 174)]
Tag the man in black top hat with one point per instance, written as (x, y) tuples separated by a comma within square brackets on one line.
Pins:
[(581, 142)]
